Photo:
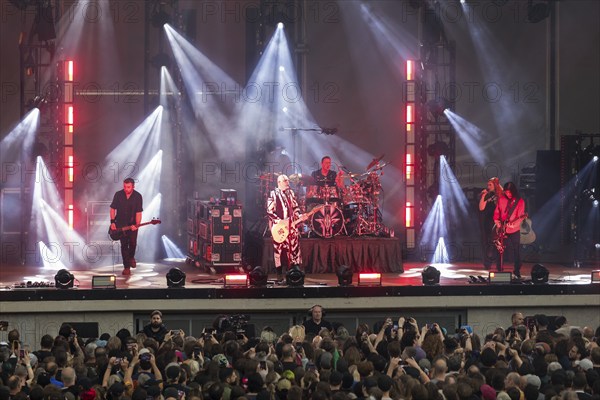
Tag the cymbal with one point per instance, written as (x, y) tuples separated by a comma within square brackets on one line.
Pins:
[(295, 178), (302, 180), (375, 161)]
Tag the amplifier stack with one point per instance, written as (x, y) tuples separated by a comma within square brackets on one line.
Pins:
[(214, 234)]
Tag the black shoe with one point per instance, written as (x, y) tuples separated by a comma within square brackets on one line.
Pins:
[(517, 276)]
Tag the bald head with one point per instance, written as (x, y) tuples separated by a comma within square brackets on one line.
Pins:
[(68, 376)]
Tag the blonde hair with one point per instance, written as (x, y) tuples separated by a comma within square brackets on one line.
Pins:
[(497, 186), (297, 332)]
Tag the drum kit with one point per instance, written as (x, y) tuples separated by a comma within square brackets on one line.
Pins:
[(352, 210)]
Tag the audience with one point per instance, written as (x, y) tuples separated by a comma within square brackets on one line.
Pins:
[(397, 362)]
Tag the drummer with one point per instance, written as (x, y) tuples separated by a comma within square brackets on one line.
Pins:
[(326, 177)]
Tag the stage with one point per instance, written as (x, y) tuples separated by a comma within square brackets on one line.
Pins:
[(37, 311), (148, 282)]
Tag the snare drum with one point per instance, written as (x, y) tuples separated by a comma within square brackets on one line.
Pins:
[(328, 221)]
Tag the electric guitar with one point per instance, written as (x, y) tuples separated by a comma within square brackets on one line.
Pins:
[(506, 228), (118, 233), (281, 230), (527, 233)]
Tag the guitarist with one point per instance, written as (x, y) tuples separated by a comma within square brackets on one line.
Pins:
[(282, 204), (509, 214), (126, 209)]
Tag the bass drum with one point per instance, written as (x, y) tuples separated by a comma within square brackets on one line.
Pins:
[(328, 221)]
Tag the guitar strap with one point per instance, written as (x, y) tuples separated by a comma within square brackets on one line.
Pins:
[(511, 210)]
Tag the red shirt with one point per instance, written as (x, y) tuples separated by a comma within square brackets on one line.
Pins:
[(501, 211)]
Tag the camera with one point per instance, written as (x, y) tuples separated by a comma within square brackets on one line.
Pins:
[(207, 333), (21, 353), (118, 360), (263, 365), (299, 347), (145, 357), (197, 351)]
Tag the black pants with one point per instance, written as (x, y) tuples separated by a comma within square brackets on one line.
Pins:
[(488, 249), (128, 246), (513, 243)]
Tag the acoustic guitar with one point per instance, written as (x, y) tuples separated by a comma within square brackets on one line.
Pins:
[(527, 233), (281, 230), (118, 233)]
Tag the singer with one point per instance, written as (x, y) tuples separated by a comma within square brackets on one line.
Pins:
[(487, 205)]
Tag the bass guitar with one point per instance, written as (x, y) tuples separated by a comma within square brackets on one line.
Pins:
[(281, 230), (118, 233)]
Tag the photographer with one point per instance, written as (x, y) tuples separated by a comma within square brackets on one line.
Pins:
[(156, 329)]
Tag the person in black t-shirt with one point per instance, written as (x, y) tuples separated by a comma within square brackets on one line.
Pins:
[(126, 210), (316, 322), (325, 176)]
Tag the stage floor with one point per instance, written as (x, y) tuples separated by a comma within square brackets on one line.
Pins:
[(152, 276)]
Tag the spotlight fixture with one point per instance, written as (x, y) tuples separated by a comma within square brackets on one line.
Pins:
[(159, 18), (64, 279), (175, 278), (258, 277), (539, 274), (344, 275), (294, 276), (537, 12), (369, 279), (430, 276), (160, 60)]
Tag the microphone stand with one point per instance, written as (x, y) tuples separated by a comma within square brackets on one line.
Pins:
[(326, 131)]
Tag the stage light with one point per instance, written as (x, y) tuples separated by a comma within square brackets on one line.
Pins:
[(596, 276), (64, 279), (344, 275), (235, 280), (43, 24), (258, 277), (537, 12), (294, 276), (499, 277), (369, 279), (539, 274), (160, 60), (281, 68), (595, 159), (430, 276), (104, 282), (280, 25), (595, 203), (160, 18), (175, 278)]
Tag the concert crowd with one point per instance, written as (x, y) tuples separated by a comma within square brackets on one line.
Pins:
[(319, 360)]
